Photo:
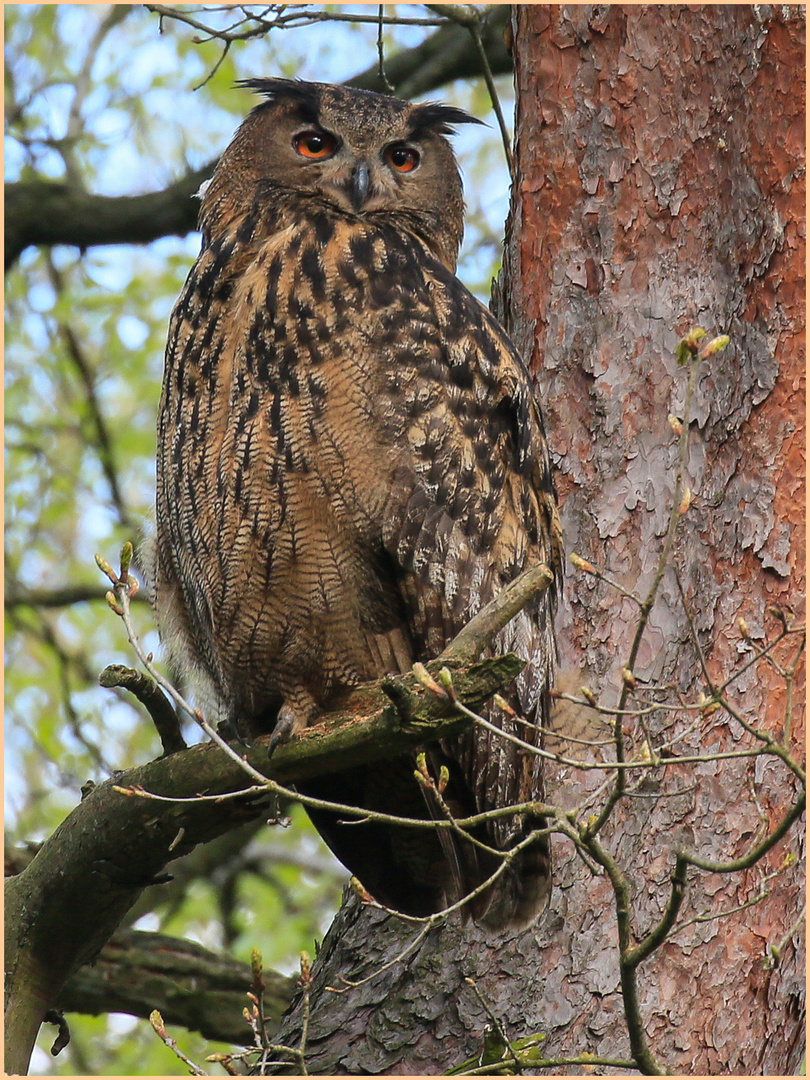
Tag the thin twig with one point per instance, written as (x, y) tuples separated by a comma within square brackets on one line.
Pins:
[(475, 31), (103, 438), (122, 596), (712, 916), (350, 985), (288, 19), (156, 1020), (771, 745), (647, 605), (305, 983), (470, 16), (82, 86), (746, 861), (383, 77), (775, 951), (498, 1026), (215, 68), (586, 1061), (608, 766)]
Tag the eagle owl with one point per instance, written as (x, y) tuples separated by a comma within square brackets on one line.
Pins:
[(351, 462)]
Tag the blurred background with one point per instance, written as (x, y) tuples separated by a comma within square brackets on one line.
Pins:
[(117, 101)]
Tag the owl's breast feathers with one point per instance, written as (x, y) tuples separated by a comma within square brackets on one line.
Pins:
[(351, 463)]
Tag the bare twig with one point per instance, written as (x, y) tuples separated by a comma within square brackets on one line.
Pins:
[(103, 438), (477, 635), (285, 17), (305, 983), (122, 596), (470, 16), (775, 951), (771, 745), (713, 916), (687, 348), (273, 787), (535, 1062), (499, 1028), (383, 77), (82, 85), (156, 1020), (401, 955), (745, 862)]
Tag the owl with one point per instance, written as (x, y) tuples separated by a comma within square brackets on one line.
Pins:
[(351, 463)]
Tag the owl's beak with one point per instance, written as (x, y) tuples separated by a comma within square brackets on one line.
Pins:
[(359, 186)]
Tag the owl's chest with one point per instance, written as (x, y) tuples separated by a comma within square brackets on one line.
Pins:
[(326, 350), (283, 398)]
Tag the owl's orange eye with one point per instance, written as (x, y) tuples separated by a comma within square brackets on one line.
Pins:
[(402, 158), (315, 144)]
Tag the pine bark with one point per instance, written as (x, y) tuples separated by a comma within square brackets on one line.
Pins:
[(660, 185)]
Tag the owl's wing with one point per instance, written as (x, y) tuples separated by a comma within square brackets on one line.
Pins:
[(451, 471), (472, 506)]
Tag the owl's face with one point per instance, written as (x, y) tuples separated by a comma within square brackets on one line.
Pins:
[(360, 152)]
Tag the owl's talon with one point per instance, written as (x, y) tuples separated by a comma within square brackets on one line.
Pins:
[(287, 724), (231, 731)]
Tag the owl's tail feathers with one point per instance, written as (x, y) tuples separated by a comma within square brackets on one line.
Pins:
[(521, 894)]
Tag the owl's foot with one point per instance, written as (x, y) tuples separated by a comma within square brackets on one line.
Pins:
[(231, 731), (287, 725), (292, 718)]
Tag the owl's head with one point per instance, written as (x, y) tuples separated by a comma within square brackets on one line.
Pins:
[(359, 152)]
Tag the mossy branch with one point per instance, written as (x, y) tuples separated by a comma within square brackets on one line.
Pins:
[(203, 991), (115, 846)]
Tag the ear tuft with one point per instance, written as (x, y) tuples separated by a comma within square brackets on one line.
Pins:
[(434, 116), (305, 95)]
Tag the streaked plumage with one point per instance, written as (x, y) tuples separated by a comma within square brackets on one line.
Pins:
[(351, 463)]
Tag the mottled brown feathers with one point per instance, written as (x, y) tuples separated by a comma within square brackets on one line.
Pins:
[(351, 463)]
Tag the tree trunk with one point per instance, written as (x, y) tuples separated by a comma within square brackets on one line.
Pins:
[(660, 158)]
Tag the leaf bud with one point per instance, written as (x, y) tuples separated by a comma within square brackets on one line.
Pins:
[(716, 345), (582, 564), (113, 603)]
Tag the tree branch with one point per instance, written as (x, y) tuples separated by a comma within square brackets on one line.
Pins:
[(448, 54), (115, 846), (46, 212), (146, 690), (17, 595), (471, 641), (138, 972)]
